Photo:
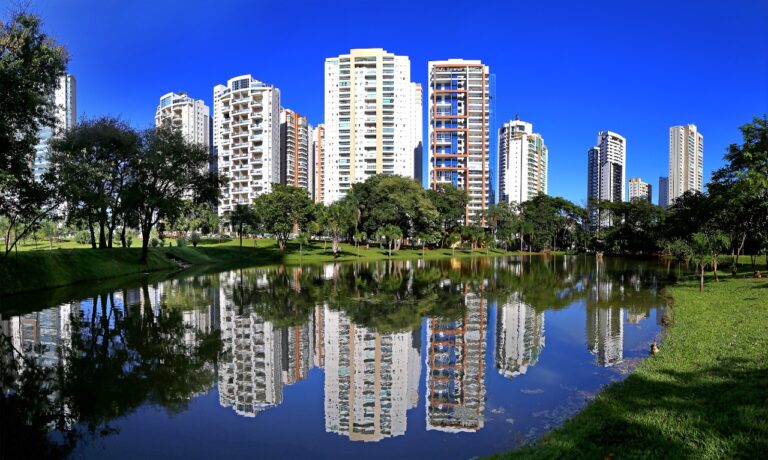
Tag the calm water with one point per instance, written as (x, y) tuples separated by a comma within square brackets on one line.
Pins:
[(404, 359)]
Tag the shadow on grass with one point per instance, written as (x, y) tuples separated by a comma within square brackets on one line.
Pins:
[(715, 412)]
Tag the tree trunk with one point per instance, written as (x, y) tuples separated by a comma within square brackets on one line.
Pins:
[(102, 235), (145, 231), (240, 233), (714, 266), (90, 229), (701, 277), (122, 236)]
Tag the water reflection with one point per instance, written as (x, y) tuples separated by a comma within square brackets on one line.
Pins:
[(246, 336)]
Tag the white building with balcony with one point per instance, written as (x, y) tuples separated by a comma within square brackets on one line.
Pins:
[(523, 159), (190, 116), (246, 136), (370, 126)]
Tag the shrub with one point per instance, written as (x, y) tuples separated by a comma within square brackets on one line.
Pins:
[(155, 243), (195, 238), (82, 237), (181, 241), (129, 238)]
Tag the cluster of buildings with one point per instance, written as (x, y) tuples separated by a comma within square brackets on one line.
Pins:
[(373, 124), (607, 168)]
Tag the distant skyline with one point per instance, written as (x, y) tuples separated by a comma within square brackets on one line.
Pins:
[(570, 69)]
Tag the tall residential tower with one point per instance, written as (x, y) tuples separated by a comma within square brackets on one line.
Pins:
[(523, 159), (638, 189), (246, 136), (371, 125), (459, 131), (296, 164), (65, 114), (191, 116), (686, 161)]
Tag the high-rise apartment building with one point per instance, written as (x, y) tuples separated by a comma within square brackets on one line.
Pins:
[(664, 192), (455, 380), (519, 337), (246, 136), (64, 99), (523, 159), (369, 379), (370, 122), (296, 163), (639, 190), (190, 116), (686, 161), (606, 172), (318, 149), (459, 131)]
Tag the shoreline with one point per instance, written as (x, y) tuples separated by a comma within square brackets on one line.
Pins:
[(31, 271), (705, 394)]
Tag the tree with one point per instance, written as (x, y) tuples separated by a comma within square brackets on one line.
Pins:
[(454, 238), (706, 247), (390, 234), (392, 200), (740, 188), (450, 203), (30, 66), (339, 217), (303, 238), (503, 220), (90, 165), (359, 238), (284, 210), (241, 218), (166, 170), (51, 231), (474, 234), (427, 237)]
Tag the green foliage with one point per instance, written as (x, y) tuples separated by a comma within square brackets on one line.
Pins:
[(242, 218), (392, 200), (195, 238), (283, 209), (82, 237), (30, 66), (155, 242), (182, 241), (450, 203)]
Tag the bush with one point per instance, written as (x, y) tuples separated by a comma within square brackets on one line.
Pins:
[(82, 237), (129, 238), (155, 243), (195, 238), (181, 241)]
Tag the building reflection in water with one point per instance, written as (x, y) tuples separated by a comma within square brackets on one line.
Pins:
[(519, 337), (371, 379), (456, 368), (604, 319)]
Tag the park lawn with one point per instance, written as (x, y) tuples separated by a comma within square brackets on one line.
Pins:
[(705, 395), (30, 270)]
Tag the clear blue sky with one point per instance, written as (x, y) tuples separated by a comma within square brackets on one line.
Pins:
[(571, 68)]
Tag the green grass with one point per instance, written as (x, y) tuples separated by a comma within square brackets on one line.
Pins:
[(30, 270), (705, 395)]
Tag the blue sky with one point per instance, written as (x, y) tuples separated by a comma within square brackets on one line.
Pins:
[(571, 68)]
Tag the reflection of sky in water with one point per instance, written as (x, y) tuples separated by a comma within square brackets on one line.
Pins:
[(500, 373)]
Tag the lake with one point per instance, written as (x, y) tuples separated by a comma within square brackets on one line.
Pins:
[(392, 359)]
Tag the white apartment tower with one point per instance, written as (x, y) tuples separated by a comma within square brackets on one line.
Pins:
[(459, 130), (370, 129), (318, 148), (296, 163), (65, 115), (639, 190), (607, 168), (523, 160), (686, 161), (191, 116), (246, 135)]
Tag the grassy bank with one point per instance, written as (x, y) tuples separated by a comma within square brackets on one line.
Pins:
[(31, 270), (705, 395)]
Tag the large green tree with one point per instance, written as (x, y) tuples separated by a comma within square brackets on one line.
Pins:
[(90, 166), (284, 210), (393, 200), (166, 170), (450, 203), (31, 63)]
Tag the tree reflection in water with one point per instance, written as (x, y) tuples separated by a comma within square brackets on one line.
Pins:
[(69, 372)]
